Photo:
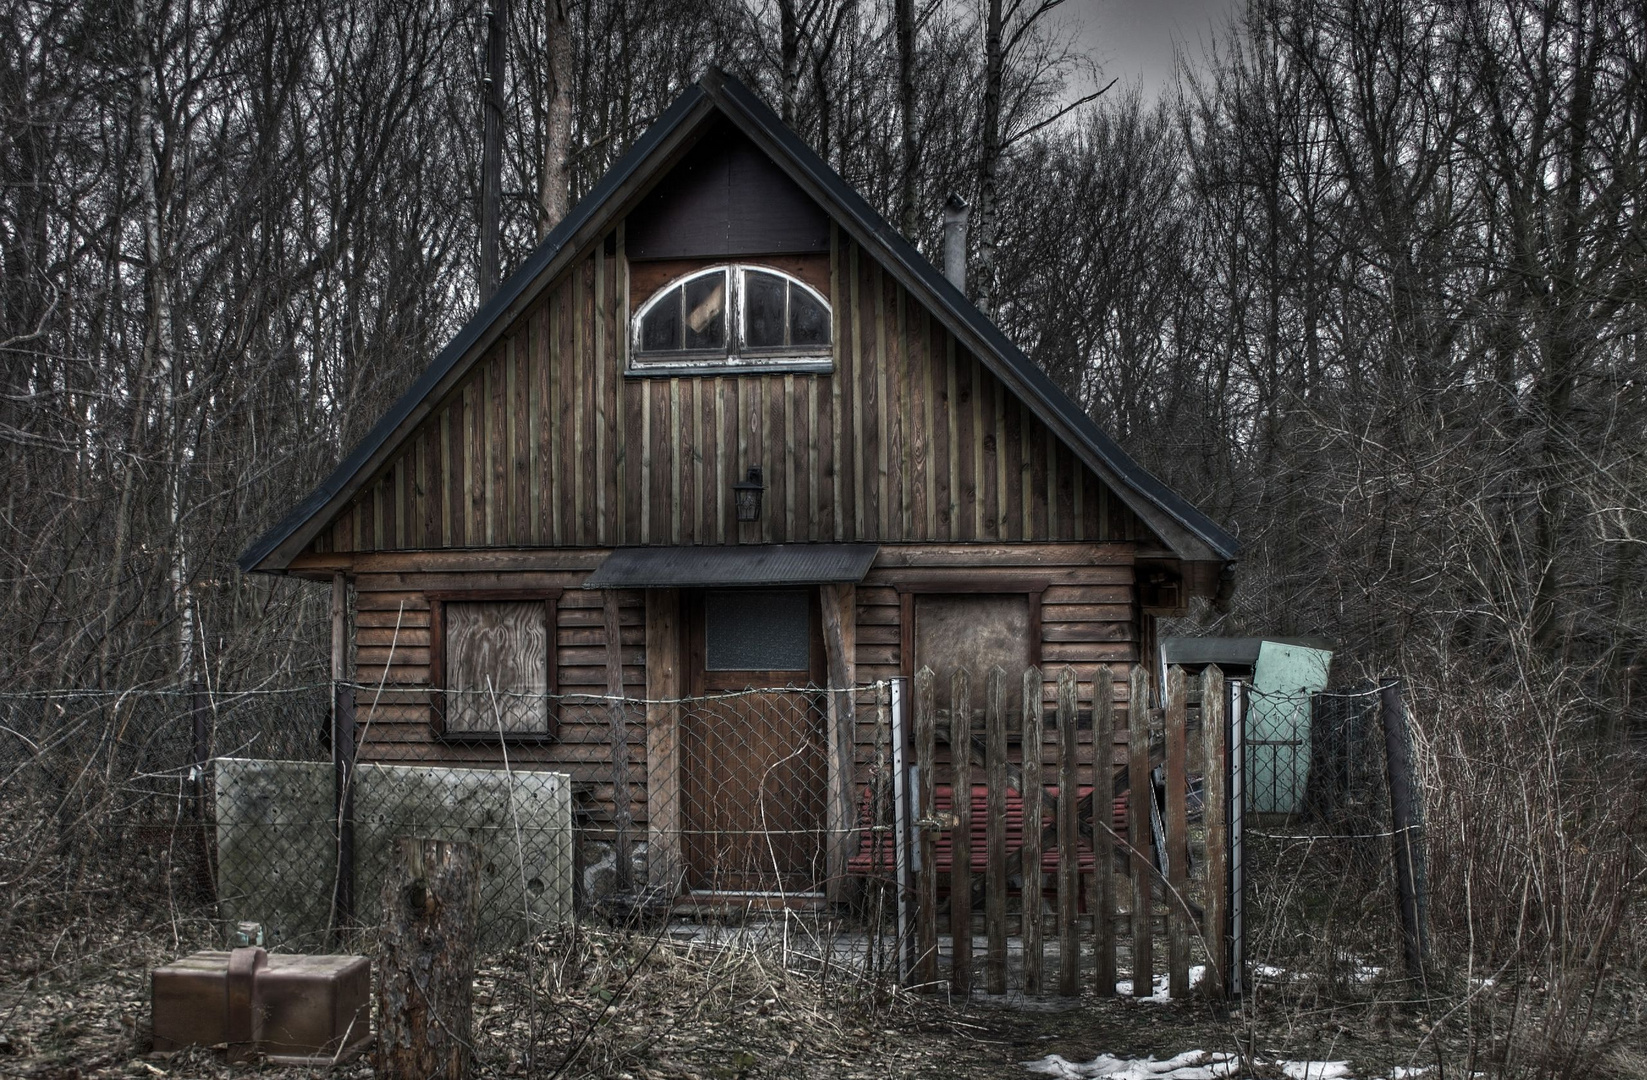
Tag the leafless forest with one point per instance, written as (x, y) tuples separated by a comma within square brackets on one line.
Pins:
[(1369, 286)]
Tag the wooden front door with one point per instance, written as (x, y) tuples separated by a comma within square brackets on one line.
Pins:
[(753, 760)]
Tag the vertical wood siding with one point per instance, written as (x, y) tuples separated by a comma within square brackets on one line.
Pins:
[(548, 443)]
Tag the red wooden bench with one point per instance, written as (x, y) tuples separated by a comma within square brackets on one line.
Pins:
[(875, 855)]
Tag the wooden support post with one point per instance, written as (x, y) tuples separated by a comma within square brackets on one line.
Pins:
[(1138, 832), (1215, 808), (960, 872), (1103, 842), (1177, 825), (926, 833), (664, 868), (340, 627), (1406, 819), (622, 815), (840, 633), (995, 874), (1033, 795), (343, 781), (1069, 835), (343, 763), (426, 962)]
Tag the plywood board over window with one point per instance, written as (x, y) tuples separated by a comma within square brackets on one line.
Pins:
[(492, 667), (974, 632)]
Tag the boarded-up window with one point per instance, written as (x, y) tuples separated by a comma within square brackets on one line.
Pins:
[(497, 670), (973, 631)]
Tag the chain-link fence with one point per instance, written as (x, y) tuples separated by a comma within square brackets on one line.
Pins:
[(104, 796), (227, 807), (1322, 909), (752, 781)]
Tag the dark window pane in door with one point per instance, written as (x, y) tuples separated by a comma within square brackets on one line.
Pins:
[(808, 319), (706, 312), (755, 630), (763, 310), (661, 327)]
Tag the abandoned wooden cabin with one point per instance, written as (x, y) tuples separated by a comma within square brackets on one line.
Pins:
[(725, 429)]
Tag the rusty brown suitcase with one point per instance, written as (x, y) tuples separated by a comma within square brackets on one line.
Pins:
[(298, 1009)]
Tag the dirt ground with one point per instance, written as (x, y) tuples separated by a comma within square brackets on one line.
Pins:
[(633, 1008)]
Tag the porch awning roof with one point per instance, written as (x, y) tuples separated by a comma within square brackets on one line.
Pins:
[(697, 567)]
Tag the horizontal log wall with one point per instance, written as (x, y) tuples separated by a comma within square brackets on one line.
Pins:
[(547, 443), (392, 665), (1088, 618)]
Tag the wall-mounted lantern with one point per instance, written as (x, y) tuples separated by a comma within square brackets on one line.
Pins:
[(748, 495)]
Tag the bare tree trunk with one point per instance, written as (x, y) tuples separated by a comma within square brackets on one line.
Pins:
[(789, 58), (426, 962), (906, 110), (555, 187), (491, 162), (990, 159)]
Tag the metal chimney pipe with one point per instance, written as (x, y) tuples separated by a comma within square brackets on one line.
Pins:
[(955, 218)]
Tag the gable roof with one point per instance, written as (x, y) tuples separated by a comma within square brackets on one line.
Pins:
[(1188, 532)]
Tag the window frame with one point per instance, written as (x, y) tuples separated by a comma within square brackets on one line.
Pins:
[(550, 600), (735, 356)]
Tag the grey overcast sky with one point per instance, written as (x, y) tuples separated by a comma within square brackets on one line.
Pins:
[(1133, 39)]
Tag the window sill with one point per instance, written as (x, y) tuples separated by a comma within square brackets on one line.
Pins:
[(810, 365), (480, 738)]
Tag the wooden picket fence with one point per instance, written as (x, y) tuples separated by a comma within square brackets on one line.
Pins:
[(1062, 840)]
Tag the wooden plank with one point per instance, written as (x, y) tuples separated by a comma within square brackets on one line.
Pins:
[(663, 686), (1105, 564), (605, 491), (885, 493), (566, 470), (920, 434), (1177, 828), (1138, 822), (778, 456), (836, 451), (726, 438), (989, 487), (781, 395), (612, 626), (577, 362), (840, 642), (1013, 480), (674, 511), (1215, 800), (1069, 878), (980, 470), (960, 889), (1081, 633), (1102, 903), (926, 881), (686, 454), (897, 407), (1033, 795), (995, 875)]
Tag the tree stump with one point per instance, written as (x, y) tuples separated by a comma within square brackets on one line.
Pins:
[(426, 962)]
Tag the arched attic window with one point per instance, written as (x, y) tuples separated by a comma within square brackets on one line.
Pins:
[(732, 315)]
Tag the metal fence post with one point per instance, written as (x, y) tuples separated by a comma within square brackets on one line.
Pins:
[(201, 747), (343, 769), (1236, 704), (900, 827), (1406, 820)]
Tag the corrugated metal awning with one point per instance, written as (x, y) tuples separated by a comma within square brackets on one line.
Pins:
[(743, 564)]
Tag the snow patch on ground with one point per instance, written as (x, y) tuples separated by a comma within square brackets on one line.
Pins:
[(1194, 1065), (1160, 996)]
